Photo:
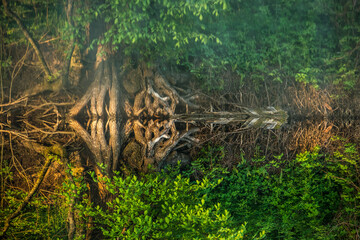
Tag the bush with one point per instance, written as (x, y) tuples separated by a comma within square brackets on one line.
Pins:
[(162, 206), (312, 197)]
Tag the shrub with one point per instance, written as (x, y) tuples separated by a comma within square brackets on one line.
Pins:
[(162, 206), (311, 197)]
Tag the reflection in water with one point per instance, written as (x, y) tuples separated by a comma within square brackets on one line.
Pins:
[(292, 138), (156, 122), (102, 120), (269, 118), (150, 139), (33, 120), (142, 140), (154, 127), (151, 119), (157, 138)]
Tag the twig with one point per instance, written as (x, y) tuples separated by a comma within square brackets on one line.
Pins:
[(49, 40), (14, 74), (15, 133), (3, 178), (47, 104), (47, 132), (71, 214), (14, 102), (66, 70), (1, 68), (22, 172)]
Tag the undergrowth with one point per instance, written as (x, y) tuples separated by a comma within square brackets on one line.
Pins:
[(313, 196), (43, 218)]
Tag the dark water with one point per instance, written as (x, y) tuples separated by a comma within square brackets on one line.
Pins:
[(159, 141), (288, 140), (143, 141), (163, 142)]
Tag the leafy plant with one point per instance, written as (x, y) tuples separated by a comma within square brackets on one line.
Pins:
[(299, 199), (158, 207)]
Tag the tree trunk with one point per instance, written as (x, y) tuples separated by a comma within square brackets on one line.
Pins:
[(69, 10)]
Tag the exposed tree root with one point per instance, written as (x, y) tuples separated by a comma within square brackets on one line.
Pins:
[(151, 118), (106, 151)]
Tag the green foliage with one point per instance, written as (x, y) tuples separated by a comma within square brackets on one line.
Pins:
[(40, 17), (343, 169), (346, 77), (43, 218), (313, 42), (161, 206), (312, 197), (154, 28), (208, 164), (277, 40), (74, 186), (308, 75)]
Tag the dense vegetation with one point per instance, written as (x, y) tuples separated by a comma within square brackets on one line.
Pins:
[(225, 44), (315, 196), (260, 41)]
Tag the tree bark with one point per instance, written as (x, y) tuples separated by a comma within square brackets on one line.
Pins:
[(69, 10)]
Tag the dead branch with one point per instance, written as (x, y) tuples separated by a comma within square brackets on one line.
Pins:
[(43, 105), (22, 99), (21, 135), (36, 129)]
